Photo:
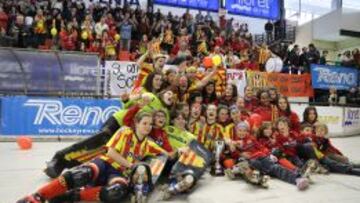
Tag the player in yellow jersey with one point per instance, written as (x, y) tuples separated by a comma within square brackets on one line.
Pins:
[(106, 177), (211, 129)]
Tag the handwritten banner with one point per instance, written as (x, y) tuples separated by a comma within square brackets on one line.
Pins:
[(119, 77), (288, 85), (237, 77), (292, 85)]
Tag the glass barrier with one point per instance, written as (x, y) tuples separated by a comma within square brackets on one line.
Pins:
[(35, 72)]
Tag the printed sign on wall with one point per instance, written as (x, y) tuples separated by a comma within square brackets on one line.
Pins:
[(269, 9), (325, 77), (352, 120), (23, 115)]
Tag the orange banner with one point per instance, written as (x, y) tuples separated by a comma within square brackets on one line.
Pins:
[(288, 85), (291, 85)]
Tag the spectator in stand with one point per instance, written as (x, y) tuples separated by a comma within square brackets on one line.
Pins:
[(294, 58), (269, 29), (274, 64), (40, 27), (143, 44), (346, 59), (352, 97), (208, 17), (199, 17), (333, 96), (168, 41), (356, 57), (68, 37), (100, 27), (264, 55), (253, 63), (338, 60), (125, 33), (244, 62), (184, 51), (313, 54), (323, 58), (231, 60), (229, 26), (304, 60), (222, 22)]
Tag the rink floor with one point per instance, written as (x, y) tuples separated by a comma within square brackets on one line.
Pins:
[(21, 173)]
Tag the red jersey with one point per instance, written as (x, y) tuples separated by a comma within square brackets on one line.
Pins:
[(265, 112), (287, 144), (325, 146), (251, 103), (161, 138), (267, 142), (250, 145), (294, 120)]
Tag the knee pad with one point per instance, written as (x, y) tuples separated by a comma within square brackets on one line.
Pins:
[(79, 176), (113, 193)]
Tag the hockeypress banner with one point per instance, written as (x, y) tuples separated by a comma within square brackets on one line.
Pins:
[(23, 115), (325, 77)]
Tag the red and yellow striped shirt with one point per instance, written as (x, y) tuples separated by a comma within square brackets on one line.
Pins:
[(126, 143), (208, 134)]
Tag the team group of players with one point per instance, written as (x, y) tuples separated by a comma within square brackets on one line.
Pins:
[(251, 137)]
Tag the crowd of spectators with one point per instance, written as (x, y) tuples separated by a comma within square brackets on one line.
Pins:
[(113, 31)]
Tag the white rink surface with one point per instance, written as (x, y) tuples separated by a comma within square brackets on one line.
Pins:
[(21, 174)]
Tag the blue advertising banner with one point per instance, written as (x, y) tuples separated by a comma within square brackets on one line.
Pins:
[(269, 9), (325, 77), (209, 5), (23, 115)]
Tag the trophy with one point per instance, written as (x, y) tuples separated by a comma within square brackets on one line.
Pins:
[(219, 147), (141, 189)]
